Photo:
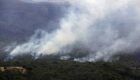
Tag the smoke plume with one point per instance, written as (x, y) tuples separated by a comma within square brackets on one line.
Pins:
[(103, 27)]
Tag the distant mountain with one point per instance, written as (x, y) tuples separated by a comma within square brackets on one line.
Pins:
[(19, 20)]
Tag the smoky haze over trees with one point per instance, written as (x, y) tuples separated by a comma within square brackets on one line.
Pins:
[(104, 31), (104, 28), (70, 39)]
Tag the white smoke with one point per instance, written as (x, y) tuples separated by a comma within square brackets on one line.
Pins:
[(104, 27)]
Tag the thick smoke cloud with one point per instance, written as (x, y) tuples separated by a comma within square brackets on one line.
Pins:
[(103, 27)]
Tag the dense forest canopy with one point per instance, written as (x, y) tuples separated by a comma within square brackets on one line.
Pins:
[(50, 68)]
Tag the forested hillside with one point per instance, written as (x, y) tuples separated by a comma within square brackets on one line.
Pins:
[(47, 68), (69, 40)]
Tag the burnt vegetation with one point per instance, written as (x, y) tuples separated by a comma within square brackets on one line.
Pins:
[(51, 68)]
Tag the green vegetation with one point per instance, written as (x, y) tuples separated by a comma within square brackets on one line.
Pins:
[(52, 69)]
